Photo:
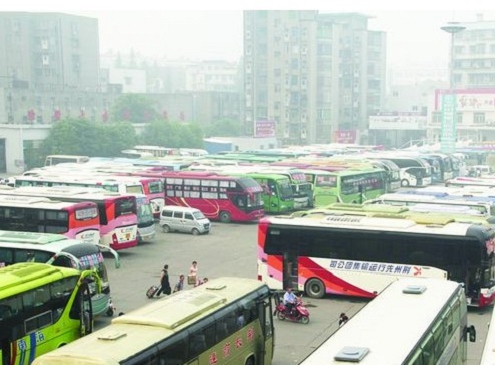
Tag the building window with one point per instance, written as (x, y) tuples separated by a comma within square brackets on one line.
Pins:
[(436, 117), (479, 118)]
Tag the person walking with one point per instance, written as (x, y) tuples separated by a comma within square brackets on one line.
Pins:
[(164, 282), (180, 284), (193, 278)]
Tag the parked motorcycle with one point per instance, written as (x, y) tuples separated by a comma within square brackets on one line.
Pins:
[(299, 312)]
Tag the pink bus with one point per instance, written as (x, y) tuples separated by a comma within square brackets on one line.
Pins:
[(220, 197)]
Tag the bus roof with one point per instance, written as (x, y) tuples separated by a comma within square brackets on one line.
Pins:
[(158, 320), (383, 343), (21, 277), (38, 202), (372, 223)]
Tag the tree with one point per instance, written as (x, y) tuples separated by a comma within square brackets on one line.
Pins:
[(225, 128), (82, 137), (172, 134), (134, 108)]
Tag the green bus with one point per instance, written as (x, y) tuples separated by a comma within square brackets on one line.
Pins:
[(224, 321), (42, 307), (278, 196)]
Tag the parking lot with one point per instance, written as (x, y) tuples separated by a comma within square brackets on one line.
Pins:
[(230, 250)]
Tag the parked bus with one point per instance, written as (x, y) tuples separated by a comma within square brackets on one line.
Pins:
[(51, 160), (149, 186), (348, 255), (118, 221), (225, 321), (476, 205), (488, 355), (145, 220), (349, 186), (413, 171), (42, 308), (37, 214), (430, 315), (461, 182), (59, 250), (277, 193), (219, 197)]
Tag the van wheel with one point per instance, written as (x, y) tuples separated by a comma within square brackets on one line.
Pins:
[(404, 183), (165, 228), (225, 217), (195, 231)]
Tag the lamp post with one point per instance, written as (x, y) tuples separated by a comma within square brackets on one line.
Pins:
[(448, 133)]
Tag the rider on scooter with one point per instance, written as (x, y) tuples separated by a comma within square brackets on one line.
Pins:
[(290, 301)]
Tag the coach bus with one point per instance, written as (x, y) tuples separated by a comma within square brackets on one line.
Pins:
[(224, 321), (37, 214), (51, 160), (348, 255), (118, 221), (42, 308), (59, 250), (219, 197), (430, 315)]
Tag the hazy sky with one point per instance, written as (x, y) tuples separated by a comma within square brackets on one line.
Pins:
[(213, 29)]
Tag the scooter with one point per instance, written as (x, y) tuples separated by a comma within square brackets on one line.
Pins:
[(299, 312)]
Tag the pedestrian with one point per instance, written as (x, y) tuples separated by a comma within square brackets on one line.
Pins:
[(193, 278), (343, 319), (180, 284), (204, 281), (164, 282)]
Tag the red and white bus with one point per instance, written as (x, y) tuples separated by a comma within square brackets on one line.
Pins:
[(118, 222), (78, 220), (359, 256), (219, 197), (95, 178)]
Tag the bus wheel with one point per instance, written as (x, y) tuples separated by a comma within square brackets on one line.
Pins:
[(109, 312), (404, 183), (250, 361), (165, 229), (315, 288), (195, 231), (225, 217)]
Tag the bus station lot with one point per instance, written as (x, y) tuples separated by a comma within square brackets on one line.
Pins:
[(230, 250)]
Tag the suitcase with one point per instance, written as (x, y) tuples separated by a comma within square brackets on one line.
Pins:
[(151, 291)]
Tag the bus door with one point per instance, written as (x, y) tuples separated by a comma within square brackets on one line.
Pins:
[(271, 192), (266, 345), (290, 278)]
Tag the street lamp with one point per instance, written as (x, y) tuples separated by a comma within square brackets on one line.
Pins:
[(448, 133)]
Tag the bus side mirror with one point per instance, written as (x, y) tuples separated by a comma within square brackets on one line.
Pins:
[(471, 331)]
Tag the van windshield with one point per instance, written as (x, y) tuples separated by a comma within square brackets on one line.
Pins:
[(199, 215)]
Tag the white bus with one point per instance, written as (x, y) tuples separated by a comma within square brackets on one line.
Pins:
[(360, 256), (412, 322), (56, 159)]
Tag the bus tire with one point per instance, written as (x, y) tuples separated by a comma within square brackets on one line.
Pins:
[(404, 183), (250, 361), (165, 228), (195, 231), (315, 288), (225, 217)]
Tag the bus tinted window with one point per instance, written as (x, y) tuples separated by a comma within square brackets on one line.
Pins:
[(125, 206)]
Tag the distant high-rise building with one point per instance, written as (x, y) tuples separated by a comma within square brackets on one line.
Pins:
[(315, 77), (49, 51)]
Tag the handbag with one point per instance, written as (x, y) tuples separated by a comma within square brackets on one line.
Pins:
[(191, 279)]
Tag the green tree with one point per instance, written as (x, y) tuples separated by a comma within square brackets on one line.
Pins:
[(225, 128), (82, 137), (134, 108), (172, 134)]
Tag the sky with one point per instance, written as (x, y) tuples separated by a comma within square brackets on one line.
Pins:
[(205, 30)]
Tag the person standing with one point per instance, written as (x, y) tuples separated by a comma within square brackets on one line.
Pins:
[(164, 282), (193, 278)]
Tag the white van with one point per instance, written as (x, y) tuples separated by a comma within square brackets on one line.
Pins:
[(184, 219)]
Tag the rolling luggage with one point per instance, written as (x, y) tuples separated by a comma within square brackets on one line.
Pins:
[(152, 291)]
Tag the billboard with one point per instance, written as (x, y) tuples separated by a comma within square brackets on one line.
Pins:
[(448, 134), (264, 128), (344, 136)]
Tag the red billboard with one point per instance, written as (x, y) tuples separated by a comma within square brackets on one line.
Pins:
[(264, 128), (344, 136)]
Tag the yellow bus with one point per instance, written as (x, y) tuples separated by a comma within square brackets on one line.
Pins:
[(42, 307), (225, 321)]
